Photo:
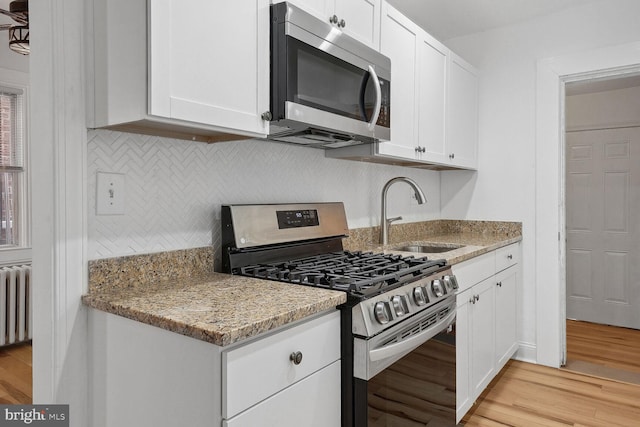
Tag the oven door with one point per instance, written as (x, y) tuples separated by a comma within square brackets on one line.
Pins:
[(372, 356)]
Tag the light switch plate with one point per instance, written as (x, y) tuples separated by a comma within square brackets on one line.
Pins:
[(110, 193)]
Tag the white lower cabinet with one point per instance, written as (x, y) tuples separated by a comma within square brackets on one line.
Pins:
[(313, 401), (253, 372), (486, 326), (145, 376), (506, 314)]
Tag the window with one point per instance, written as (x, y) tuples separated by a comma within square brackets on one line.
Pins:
[(12, 169)]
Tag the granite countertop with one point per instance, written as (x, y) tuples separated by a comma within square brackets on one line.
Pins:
[(218, 308), (473, 245), (177, 290), (475, 237)]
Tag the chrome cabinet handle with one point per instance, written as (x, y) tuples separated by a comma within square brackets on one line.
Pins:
[(499, 284), (477, 297), (509, 256), (342, 24), (333, 19), (296, 357), (267, 116), (452, 156), (474, 299)]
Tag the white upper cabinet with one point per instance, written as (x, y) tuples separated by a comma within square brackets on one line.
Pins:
[(462, 114), (434, 102), (358, 18), (399, 41), (361, 20), (197, 69), (432, 83)]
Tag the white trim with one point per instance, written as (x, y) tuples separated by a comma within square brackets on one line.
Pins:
[(59, 205), (552, 74), (526, 352)]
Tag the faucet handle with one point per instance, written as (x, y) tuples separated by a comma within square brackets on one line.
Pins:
[(390, 220)]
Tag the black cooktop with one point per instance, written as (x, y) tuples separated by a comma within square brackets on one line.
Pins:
[(360, 274)]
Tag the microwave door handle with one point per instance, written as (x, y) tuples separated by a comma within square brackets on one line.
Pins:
[(376, 110)]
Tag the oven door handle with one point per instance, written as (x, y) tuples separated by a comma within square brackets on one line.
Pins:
[(413, 341)]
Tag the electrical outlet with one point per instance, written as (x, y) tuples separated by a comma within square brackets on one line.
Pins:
[(110, 193)]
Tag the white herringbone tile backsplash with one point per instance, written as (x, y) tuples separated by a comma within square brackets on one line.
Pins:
[(174, 188)]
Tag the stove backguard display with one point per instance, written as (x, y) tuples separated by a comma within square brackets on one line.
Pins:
[(297, 218)]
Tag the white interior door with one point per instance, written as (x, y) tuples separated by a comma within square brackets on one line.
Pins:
[(602, 214)]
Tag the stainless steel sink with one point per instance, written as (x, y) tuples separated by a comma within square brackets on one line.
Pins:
[(433, 249)]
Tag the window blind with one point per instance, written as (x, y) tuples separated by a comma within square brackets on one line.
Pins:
[(11, 131)]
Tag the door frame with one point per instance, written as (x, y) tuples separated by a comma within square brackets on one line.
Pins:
[(550, 248)]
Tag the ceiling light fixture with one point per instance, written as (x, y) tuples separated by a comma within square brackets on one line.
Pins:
[(18, 33)]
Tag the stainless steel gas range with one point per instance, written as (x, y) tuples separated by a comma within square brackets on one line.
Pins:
[(395, 304)]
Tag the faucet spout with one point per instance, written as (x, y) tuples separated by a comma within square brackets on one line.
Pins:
[(384, 222)]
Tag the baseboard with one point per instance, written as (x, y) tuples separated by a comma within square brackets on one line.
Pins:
[(527, 352)]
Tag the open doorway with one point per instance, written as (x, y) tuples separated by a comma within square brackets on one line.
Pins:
[(602, 189)]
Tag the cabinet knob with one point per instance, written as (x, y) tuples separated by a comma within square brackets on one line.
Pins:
[(333, 19), (342, 24), (452, 156), (267, 116), (499, 284), (509, 256), (472, 300), (476, 297), (296, 357)]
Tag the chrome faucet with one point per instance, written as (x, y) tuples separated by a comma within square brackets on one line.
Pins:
[(384, 222)]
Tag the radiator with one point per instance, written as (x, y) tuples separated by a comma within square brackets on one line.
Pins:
[(15, 304)]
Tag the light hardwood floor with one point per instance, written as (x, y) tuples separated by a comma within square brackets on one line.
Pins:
[(617, 348), (531, 395), (16, 374)]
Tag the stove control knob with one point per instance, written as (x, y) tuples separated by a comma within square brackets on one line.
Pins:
[(399, 305), (451, 282), (438, 288), (381, 313), (420, 296)]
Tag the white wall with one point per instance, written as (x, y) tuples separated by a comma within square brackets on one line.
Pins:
[(174, 188), (505, 186)]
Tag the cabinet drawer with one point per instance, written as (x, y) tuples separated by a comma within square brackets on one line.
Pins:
[(507, 256), (312, 402), (474, 270), (253, 372)]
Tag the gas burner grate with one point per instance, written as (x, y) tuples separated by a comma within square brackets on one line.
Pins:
[(361, 274)]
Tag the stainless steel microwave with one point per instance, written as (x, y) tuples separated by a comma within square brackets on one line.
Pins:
[(328, 90)]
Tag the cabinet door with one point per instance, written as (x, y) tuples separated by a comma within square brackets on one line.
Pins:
[(399, 38), (362, 20), (209, 62), (463, 355), (312, 402), (432, 73), (482, 331), (506, 311), (257, 370), (462, 114), (321, 9)]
